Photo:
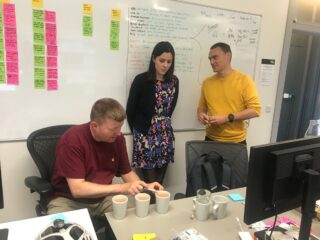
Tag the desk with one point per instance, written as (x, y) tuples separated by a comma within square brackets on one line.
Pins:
[(30, 228), (179, 218)]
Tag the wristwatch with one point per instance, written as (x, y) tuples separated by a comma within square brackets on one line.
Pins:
[(230, 117)]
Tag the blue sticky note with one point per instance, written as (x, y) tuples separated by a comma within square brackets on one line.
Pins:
[(236, 197)]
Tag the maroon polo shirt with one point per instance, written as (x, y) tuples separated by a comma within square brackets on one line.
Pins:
[(79, 156)]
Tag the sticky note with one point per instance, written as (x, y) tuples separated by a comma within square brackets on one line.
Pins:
[(87, 9), (143, 236), (37, 3), (236, 197), (116, 14)]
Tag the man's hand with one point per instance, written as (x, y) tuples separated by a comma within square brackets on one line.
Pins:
[(218, 120), (203, 118), (155, 186), (134, 187)]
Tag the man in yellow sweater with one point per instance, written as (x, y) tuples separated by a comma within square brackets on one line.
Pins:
[(227, 99)]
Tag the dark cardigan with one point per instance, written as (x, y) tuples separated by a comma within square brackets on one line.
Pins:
[(142, 100)]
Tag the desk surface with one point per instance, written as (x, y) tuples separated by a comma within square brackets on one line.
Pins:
[(179, 218)]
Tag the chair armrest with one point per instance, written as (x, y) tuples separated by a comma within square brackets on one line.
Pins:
[(38, 185)]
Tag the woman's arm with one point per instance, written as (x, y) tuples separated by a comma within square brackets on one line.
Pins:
[(175, 98), (132, 102)]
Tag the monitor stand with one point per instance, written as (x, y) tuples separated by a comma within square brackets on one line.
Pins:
[(311, 187)]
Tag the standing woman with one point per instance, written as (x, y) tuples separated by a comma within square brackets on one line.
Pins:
[(151, 102)]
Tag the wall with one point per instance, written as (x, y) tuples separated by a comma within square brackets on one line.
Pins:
[(16, 163)]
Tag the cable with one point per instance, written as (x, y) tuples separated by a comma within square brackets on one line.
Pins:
[(238, 220), (274, 224)]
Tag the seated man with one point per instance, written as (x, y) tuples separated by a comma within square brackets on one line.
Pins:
[(88, 156)]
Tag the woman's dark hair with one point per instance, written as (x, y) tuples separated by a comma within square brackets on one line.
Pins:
[(159, 48)]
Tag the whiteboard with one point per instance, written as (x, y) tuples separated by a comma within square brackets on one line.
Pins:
[(88, 69)]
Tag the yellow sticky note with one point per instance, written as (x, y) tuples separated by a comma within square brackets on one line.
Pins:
[(37, 3), (87, 9), (144, 236), (116, 14)]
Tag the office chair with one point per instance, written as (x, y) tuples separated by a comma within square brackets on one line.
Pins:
[(42, 148), (234, 155)]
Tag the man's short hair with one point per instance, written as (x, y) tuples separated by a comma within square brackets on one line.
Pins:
[(107, 108), (223, 46)]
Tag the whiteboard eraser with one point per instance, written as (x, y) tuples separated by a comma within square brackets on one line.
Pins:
[(245, 236)]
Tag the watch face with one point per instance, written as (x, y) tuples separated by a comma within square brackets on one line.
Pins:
[(230, 117)]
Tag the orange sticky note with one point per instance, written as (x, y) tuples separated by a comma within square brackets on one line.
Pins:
[(116, 14), (87, 8), (37, 3)]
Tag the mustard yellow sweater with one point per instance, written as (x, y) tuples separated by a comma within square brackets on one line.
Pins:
[(231, 94)]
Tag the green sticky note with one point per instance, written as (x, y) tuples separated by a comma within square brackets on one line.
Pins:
[(1, 43), (39, 61), (1, 55), (87, 32), (40, 73), (39, 49), (39, 84), (38, 37), (87, 26), (114, 35), (38, 27), (37, 15), (2, 72), (87, 21)]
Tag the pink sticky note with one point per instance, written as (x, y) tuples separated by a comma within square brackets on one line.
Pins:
[(51, 39), (51, 34), (52, 84), (49, 16), (52, 50), (51, 28), (9, 15), (9, 8), (11, 45), (52, 73), (12, 79), (52, 62), (12, 67), (10, 32), (11, 56)]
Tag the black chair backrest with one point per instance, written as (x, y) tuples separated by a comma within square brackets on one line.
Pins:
[(42, 147), (234, 154)]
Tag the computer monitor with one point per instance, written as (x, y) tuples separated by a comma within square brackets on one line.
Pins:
[(283, 176)]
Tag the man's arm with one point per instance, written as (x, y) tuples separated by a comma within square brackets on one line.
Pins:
[(83, 189), (243, 115)]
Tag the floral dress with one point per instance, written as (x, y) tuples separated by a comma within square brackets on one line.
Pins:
[(157, 147)]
